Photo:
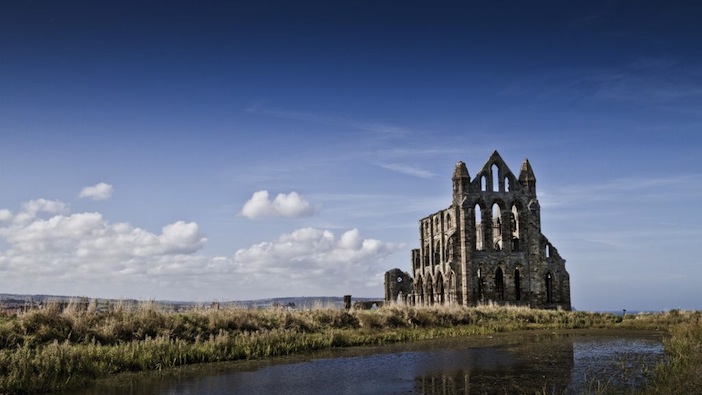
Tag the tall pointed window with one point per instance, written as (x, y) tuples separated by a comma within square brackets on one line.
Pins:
[(437, 253), (495, 178), (479, 229), (481, 285), (517, 285), (496, 227), (514, 227), (430, 292), (440, 291), (499, 284), (419, 289)]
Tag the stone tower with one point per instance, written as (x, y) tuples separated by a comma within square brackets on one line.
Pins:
[(488, 246)]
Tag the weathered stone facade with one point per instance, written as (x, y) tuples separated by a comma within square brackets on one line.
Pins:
[(487, 246), (398, 284)]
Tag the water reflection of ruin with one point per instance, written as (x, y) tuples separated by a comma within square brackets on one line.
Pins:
[(515, 363), (520, 369)]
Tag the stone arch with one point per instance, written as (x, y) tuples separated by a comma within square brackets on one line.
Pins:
[(517, 285), (549, 287), (437, 253), (516, 221), (451, 281), (440, 289), (451, 248), (496, 214), (419, 290), (480, 218), (495, 177), (499, 284), (429, 292), (480, 284)]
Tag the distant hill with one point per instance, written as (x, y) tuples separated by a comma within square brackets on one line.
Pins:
[(301, 302)]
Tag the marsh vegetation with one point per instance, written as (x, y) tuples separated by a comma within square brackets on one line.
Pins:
[(57, 346)]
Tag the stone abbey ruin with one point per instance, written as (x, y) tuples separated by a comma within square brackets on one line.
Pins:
[(486, 247)]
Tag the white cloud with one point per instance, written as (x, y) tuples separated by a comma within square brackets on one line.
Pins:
[(291, 205), (33, 208), (312, 261), (181, 238), (65, 244), (46, 249), (100, 191), (5, 215)]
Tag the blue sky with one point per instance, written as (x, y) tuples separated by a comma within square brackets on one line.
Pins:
[(239, 150)]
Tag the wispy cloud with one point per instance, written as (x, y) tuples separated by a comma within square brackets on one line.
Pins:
[(289, 114), (396, 152), (380, 206), (642, 189), (662, 83), (407, 170), (388, 131), (377, 129)]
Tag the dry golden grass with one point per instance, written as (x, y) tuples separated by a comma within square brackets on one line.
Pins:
[(59, 346)]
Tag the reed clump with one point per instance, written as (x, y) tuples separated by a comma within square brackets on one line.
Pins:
[(59, 346), (682, 371)]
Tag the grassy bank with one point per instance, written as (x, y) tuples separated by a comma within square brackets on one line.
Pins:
[(682, 372), (57, 347)]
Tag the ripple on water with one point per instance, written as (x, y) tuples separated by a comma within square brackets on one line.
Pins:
[(614, 363)]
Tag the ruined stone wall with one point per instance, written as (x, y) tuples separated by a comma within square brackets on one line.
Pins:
[(398, 286), (488, 245)]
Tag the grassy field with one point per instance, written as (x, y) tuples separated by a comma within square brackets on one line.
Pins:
[(58, 346)]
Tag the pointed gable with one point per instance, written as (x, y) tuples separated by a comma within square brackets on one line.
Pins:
[(485, 178)]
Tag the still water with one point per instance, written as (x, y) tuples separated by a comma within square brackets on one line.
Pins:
[(570, 362)]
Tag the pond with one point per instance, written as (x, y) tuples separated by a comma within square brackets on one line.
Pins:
[(524, 362)]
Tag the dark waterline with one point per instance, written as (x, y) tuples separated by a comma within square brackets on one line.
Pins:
[(512, 363)]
